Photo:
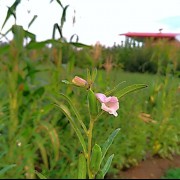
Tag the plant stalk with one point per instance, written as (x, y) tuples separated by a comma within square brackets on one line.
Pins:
[(91, 125)]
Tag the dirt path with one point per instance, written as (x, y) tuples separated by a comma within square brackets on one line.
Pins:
[(153, 168)]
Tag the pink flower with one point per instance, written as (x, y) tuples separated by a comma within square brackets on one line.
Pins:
[(79, 81), (109, 104)]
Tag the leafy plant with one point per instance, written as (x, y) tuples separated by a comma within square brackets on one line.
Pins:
[(173, 173), (93, 155)]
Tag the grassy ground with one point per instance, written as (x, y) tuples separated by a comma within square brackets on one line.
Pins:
[(28, 131)]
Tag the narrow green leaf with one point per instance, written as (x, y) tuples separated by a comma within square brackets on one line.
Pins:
[(4, 35), (30, 35), (8, 167), (82, 166), (108, 143), (75, 111), (96, 158), (75, 127), (41, 176), (11, 11), (59, 2), (79, 45), (114, 89), (57, 27), (106, 167), (63, 17), (37, 45), (66, 82), (130, 89), (33, 19), (74, 35)]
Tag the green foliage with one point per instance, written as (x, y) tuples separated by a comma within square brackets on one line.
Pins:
[(11, 11), (151, 58), (96, 158), (109, 141), (6, 168), (37, 140), (173, 173), (82, 169), (129, 89), (105, 169), (40, 175)]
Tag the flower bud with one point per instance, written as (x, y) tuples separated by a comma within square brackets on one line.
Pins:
[(79, 81), (92, 101)]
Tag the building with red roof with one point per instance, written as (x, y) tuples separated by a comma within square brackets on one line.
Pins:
[(132, 37)]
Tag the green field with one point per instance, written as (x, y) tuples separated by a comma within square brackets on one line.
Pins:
[(51, 128), (36, 135)]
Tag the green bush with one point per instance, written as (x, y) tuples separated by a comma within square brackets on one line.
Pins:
[(173, 173)]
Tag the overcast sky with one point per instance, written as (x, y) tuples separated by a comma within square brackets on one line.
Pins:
[(96, 20)]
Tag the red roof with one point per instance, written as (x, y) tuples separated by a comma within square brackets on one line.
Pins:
[(170, 36)]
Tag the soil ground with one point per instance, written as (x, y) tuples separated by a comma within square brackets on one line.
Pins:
[(152, 168)]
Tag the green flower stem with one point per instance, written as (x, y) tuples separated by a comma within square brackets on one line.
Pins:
[(91, 125)]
